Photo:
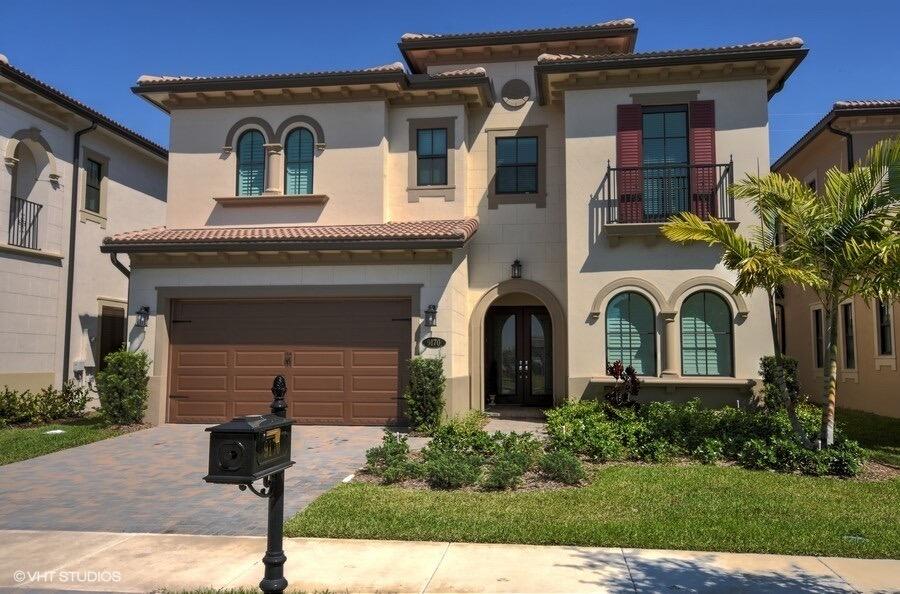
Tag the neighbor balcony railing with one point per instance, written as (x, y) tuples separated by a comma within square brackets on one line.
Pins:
[(653, 193), (23, 223)]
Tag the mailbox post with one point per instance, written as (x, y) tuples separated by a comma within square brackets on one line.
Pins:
[(254, 447)]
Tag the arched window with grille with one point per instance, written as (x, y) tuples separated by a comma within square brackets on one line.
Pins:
[(298, 169), (706, 335), (631, 332), (251, 155)]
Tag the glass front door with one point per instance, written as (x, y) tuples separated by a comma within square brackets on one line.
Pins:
[(519, 356)]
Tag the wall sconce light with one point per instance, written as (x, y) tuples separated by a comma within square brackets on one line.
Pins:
[(515, 269), (143, 316), (431, 316)]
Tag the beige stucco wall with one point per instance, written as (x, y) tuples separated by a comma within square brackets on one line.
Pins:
[(593, 262), (33, 286)]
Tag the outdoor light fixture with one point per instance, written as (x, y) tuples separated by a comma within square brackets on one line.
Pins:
[(143, 316), (431, 316), (515, 269)]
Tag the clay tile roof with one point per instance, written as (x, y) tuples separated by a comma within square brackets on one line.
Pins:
[(477, 71), (616, 24), (792, 42), (149, 79), (452, 233), (67, 101), (865, 104)]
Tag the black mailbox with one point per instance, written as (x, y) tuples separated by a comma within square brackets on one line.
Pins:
[(249, 448)]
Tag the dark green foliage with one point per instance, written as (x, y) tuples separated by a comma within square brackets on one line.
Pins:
[(505, 472), (451, 470), (773, 374), (391, 460), (521, 449), (50, 404), (562, 466), (469, 440), (122, 387), (660, 431), (424, 396)]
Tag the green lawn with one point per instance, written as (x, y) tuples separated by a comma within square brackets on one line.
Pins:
[(661, 506), (23, 443), (879, 435)]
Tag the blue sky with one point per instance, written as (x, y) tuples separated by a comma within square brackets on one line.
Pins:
[(95, 50)]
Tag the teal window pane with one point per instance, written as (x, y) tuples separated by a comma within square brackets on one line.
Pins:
[(431, 156), (654, 125), (299, 151), (676, 123), (526, 150), (506, 151), (251, 164), (516, 165), (706, 335), (506, 180), (631, 332)]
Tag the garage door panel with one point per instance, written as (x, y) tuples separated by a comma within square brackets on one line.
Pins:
[(345, 366)]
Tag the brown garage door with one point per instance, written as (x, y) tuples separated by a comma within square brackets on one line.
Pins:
[(344, 359)]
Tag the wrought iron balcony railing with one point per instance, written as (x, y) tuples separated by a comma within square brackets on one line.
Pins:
[(23, 223), (653, 193)]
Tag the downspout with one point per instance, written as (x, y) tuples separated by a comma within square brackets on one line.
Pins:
[(73, 225), (114, 258), (849, 138)]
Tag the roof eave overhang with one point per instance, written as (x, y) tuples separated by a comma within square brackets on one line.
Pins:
[(461, 41), (18, 78), (281, 246), (830, 118), (574, 66)]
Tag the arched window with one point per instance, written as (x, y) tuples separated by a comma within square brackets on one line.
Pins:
[(706, 347), (631, 332), (298, 168), (251, 175)]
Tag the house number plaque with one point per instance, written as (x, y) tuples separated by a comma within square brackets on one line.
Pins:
[(434, 342)]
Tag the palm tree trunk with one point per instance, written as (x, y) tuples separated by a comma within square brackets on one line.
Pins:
[(780, 379), (830, 388)]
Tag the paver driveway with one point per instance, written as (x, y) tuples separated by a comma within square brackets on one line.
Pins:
[(152, 481)]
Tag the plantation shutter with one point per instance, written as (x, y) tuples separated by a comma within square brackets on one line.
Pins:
[(298, 168), (702, 144), (705, 335), (251, 164), (629, 155), (631, 332)]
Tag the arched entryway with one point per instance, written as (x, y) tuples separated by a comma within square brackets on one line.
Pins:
[(518, 348)]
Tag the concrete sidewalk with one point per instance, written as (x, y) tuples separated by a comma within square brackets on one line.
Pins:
[(111, 562)]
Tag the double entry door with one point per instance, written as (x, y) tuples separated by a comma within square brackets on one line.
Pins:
[(519, 356)]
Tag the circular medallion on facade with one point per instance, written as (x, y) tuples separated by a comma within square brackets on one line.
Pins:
[(515, 93)]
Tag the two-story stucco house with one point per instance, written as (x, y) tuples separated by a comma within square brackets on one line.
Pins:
[(867, 335), (70, 176), (500, 191)]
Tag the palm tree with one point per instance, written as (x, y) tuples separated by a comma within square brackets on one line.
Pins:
[(840, 243)]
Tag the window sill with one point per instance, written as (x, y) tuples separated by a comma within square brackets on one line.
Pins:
[(886, 361), (671, 383), (94, 217), (652, 231), (538, 199), (279, 200), (23, 251), (849, 375), (429, 188)]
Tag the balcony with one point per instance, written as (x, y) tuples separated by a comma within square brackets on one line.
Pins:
[(23, 223), (638, 200)]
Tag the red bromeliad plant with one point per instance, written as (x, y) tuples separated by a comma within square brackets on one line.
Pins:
[(627, 384)]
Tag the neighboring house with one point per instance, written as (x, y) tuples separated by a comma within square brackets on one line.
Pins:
[(868, 378), (62, 302), (503, 194)]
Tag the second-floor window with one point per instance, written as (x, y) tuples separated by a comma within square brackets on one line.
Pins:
[(885, 335), (665, 160), (93, 183), (298, 165), (251, 158), (517, 165), (431, 157)]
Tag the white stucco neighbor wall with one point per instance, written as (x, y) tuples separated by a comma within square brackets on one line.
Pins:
[(593, 263)]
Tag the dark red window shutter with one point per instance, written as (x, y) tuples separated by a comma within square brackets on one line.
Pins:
[(629, 153), (702, 141)]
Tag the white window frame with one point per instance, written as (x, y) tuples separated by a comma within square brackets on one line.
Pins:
[(848, 375), (884, 360)]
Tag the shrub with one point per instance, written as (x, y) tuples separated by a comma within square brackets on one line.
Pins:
[(504, 473), (773, 375), (603, 442), (122, 387), (626, 385), (757, 454), (709, 451), (47, 405), (424, 396), (467, 440), (845, 458), (451, 470), (521, 449), (657, 451), (562, 466), (390, 461)]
